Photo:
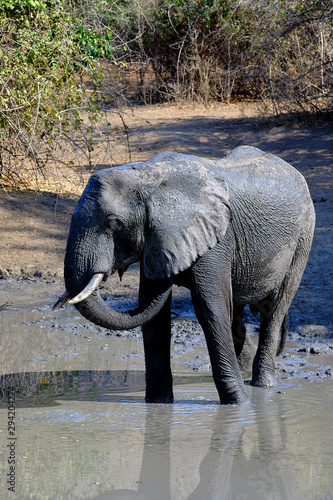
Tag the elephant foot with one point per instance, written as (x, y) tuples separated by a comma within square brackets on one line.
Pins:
[(159, 399), (232, 400), (267, 379), (159, 387), (238, 397)]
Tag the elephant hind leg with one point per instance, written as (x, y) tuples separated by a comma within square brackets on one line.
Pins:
[(264, 362), (274, 317), (238, 328), (244, 348), (284, 333)]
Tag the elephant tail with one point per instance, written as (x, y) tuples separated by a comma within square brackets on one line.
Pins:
[(284, 331)]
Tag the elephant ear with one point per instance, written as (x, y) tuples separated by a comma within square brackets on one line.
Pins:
[(188, 213)]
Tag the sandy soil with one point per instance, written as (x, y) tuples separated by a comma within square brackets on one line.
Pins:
[(34, 227)]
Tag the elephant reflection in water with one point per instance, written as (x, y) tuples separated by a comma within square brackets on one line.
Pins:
[(244, 457), (253, 462)]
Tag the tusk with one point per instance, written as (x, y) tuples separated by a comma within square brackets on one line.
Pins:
[(61, 301), (89, 289)]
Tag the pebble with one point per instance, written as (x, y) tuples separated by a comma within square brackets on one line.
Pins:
[(315, 350)]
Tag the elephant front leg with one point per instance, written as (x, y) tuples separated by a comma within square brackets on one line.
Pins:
[(157, 340), (212, 303), (226, 371)]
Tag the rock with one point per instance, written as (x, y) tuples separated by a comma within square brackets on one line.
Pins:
[(303, 349), (315, 350)]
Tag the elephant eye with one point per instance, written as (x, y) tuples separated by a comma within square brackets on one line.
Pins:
[(113, 223)]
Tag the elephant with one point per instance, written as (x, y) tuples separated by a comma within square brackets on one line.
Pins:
[(235, 231)]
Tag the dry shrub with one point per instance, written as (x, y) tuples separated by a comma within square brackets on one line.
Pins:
[(201, 50)]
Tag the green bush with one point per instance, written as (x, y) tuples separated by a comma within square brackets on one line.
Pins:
[(47, 56)]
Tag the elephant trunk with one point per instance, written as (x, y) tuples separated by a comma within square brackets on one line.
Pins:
[(87, 300), (95, 309)]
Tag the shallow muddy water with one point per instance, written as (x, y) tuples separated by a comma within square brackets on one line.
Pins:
[(83, 431)]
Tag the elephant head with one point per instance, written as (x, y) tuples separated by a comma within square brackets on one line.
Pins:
[(165, 213)]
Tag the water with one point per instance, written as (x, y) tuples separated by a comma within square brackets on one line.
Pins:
[(83, 430)]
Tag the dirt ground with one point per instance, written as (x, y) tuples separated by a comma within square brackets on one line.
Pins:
[(34, 228)]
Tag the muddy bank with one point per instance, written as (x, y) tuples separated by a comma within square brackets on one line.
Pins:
[(307, 357)]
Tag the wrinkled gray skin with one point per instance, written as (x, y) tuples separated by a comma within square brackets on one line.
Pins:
[(235, 231)]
